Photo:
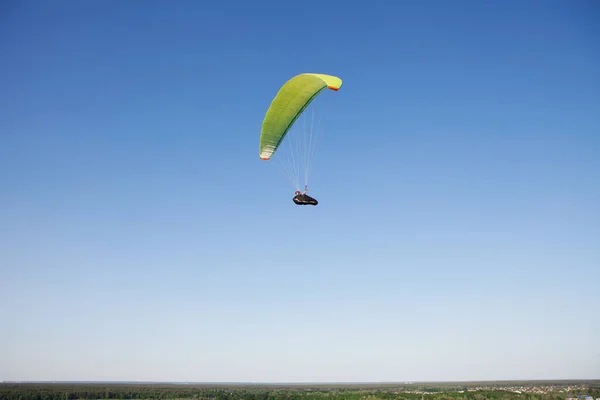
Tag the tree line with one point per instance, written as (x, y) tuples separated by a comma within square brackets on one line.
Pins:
[(31, 391)]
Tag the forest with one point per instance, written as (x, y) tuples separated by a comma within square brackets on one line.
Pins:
[(557, 390)]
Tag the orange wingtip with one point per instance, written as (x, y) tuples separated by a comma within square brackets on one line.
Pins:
[(333, 88), (264, 158)]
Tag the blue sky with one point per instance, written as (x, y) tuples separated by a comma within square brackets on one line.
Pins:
[(142, 238)]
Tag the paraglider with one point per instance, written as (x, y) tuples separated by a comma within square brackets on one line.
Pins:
[(290, 102), (302, 199)]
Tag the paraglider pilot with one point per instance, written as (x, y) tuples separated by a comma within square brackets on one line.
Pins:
[(302, 199)]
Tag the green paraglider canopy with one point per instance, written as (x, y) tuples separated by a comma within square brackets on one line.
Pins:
[(291, 100)]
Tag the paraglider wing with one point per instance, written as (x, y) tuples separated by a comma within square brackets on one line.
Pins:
[(291, 100)]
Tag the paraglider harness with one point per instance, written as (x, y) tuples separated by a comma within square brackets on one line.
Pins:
[(302, 199)]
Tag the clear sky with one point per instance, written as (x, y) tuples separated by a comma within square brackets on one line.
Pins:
[(458, 231)]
